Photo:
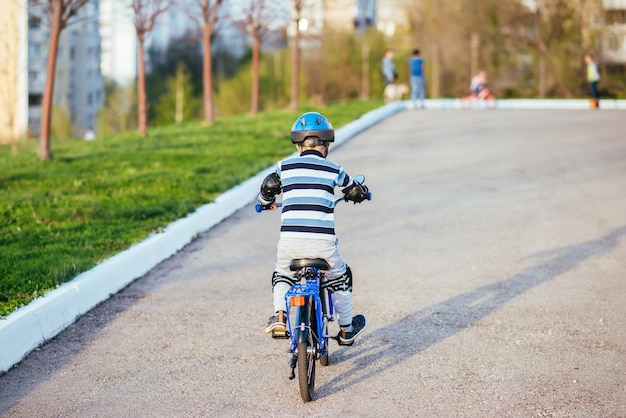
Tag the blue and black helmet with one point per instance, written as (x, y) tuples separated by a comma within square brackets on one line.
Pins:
[(312, 124)]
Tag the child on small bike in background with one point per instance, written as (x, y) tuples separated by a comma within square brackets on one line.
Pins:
[(307, 228)]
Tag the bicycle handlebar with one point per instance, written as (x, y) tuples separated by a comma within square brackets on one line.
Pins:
[(259, 208)]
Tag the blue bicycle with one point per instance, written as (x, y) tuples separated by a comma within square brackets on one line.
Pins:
[(309, 307), (309, 329)]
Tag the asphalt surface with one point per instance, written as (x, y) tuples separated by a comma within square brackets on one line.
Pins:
[(491, 265)]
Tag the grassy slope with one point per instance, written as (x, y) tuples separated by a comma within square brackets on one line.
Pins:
[(96, 198)]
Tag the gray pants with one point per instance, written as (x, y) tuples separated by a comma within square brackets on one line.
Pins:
[(292, 248)]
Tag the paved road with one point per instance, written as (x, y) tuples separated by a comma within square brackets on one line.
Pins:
[(491, 264)]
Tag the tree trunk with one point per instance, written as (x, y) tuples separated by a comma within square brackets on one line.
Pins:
[(46, 106), (255, 75), (180, 102), (435, 71), (295, 70), (14, 136), (207, 78), (141, 91), (542, 72), (542, 48), (365, 71), (474, 53)]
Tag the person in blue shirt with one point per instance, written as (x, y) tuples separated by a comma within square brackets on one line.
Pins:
[(308, 182), (416, 71)]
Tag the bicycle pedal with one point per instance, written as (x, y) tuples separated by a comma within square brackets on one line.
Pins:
[(280, 335)]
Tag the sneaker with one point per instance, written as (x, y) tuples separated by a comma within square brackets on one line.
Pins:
[(344, 337), (277, 324)]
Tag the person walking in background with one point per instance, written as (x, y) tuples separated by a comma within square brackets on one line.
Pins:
[(416, 71), (90, 134), (389, 67), (478, 83), (593, 77)]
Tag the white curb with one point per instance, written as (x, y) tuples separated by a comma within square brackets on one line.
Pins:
[(520, 104), (32, 325)]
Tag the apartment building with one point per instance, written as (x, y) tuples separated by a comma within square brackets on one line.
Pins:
[(119, 42), (614, 33), (339, 15), (79, 85), (13, 62), (119, 38)]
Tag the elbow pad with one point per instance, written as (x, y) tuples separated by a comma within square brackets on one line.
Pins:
[(269, 189)]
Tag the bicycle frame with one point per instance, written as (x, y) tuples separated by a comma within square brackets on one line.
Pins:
[(300, 296)]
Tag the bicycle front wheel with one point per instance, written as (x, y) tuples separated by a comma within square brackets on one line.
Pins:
[(306, 371)]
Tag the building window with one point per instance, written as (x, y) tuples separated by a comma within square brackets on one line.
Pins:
[(614, 42), (35, 125), (34, 22), (35, 99), (33, 50), (89, 98), (615, 17)]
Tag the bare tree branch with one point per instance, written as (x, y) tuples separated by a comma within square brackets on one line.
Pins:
[(206, 22), (145, 14), (298, 7), (61, 12), (259, 16)]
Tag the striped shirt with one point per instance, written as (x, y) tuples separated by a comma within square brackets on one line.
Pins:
[(308, 185)]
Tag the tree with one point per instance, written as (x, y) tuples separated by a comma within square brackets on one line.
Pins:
[(298, 7), (145, 14), (61, 11), (178, 103), (545, 23), (551, 21), (259, 15), (206, 22), (120, 109), (164, 64)]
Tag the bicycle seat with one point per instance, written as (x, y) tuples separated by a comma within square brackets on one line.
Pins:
[(299, 263)]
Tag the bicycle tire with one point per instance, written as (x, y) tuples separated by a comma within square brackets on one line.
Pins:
[(306, 372), (306, 357)]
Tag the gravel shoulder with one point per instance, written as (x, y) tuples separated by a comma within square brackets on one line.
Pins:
[(490, 264)]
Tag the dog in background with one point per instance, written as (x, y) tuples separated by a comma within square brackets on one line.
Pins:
[(395, 92)]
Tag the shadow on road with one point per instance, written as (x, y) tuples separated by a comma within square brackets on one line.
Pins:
[(437, 323)]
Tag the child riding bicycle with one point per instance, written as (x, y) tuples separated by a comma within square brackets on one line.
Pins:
[(307, 221)]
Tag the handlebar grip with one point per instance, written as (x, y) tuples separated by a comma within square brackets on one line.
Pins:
[(258, 208), (369, 196)]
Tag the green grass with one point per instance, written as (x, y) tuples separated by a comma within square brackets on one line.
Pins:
[(96, 198)]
